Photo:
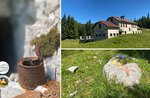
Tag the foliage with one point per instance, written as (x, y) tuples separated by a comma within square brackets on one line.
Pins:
[(71, 29), (140, 40), (88, 27), (88, 80), (143, 22), (138, 53), (48, 43)]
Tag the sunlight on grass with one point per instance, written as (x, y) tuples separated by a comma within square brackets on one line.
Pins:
[(141, 40), (89, 82)]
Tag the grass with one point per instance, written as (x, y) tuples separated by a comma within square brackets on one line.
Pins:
[(141, 40), (88, 80)]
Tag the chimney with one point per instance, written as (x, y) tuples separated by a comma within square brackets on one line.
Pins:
[(122, 17)]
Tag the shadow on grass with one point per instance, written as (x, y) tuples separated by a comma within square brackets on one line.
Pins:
[(137, 53), (139, 92)]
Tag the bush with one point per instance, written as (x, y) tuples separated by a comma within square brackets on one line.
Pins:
[(48, 43)]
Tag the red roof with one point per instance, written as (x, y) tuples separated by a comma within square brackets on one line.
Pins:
[(122, 19), (108, 24)]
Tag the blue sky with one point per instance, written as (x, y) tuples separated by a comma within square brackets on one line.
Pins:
[(95, 10)]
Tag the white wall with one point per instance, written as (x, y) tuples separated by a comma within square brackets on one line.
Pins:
[(126, 26), (130, 28), (113, 33), (109, 33)]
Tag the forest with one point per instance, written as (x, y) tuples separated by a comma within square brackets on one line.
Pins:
[(143, 22), (72, 29)]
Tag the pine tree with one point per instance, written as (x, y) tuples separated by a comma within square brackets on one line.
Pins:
[(88, 27), (144, 22), (64, 28), (148, 21), (76, 35), (71, 29)]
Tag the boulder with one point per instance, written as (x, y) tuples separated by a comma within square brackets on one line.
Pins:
[(121, 70), (72, 69)]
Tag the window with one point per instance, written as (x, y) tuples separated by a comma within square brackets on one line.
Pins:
[(96, 35), (103, 34), (117, 34), (125, 32), (100, 26), (129, 29), (133, 31), (110, 34), (114, 34), (111, 19), (126, 25), (99, 35)]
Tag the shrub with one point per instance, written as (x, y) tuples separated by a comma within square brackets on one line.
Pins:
[(48, 43)]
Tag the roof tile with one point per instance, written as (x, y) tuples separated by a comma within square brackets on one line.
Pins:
[(108, 24), (123, 20)]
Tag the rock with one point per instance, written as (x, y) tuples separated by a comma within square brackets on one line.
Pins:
[(52, 66), (30, 94), (41, 89), (47, 15), (72, 94), (5, 8), (94, 57), (13, 89), (119, 70), (14, 77), (72, 69), (46, 18)]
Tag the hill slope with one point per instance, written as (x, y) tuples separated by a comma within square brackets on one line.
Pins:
[(141, 40)]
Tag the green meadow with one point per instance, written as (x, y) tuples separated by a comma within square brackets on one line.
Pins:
[(141, 40), (88, 80)]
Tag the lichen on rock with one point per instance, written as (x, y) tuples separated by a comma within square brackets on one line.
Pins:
[(122, 70)]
